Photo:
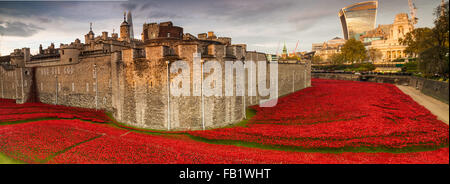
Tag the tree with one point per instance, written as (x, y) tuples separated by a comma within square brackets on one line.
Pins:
[(441, 27), (429, 63), (374, 54), (363, 67), (354, 51), (410, 67), (417, 41), (295, 57), (337, 59), (441, 49), (431, 45), (317, 59)]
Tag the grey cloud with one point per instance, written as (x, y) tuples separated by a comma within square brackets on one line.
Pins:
[(243, 11), (148, 4), (19, 29), (129, 5), (32, 8), (138, 5), (151, 9), (161, 14), (44, 19), (305, 20), (249, 11)]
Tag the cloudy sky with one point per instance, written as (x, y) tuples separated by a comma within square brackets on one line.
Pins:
[(264, 25)]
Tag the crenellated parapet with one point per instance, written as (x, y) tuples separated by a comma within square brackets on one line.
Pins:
[(133, 79)]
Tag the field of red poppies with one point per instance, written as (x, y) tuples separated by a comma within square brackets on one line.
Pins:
[(341, 115), (10, 111), (333, 122)]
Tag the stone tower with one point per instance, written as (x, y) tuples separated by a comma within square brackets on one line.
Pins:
[(88, 38), (401, 26), (130, 23), (41, 51), (285, 53), (124, 29)]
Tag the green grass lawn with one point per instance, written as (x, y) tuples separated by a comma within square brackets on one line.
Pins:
[(6, 160)]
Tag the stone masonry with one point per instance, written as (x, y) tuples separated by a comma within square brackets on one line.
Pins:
[(129, 78)]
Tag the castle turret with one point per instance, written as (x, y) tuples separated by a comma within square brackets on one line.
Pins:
[(124, 29), (69, 54), (162, 30), (211, 35), (26, 54), (20, 56), (88, 38), (41, 51), (104, 35)]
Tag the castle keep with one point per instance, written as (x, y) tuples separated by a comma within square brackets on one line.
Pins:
[(129, 77)]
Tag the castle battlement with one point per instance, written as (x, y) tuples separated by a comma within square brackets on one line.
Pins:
[(130, 77)]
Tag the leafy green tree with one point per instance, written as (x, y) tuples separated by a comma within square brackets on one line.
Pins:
[(337, 59), (410, 67), (317, 59), (363, 67), (354, 51), (369, 66), (441, 49), (431, 45), (298, 58), (374, 54), (418, 40)]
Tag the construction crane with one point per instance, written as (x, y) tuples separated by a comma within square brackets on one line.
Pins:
[(296, 46), (278, 48), (412, 10)]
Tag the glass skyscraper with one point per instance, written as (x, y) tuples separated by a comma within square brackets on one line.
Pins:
[(358, 18)]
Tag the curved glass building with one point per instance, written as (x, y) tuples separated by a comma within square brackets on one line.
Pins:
[(358, 18)]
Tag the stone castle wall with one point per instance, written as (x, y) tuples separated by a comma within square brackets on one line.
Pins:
[(144, 92), (135, 89), (75, 85), (8, 84)]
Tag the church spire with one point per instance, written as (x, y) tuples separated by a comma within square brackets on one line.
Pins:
[(90, 26), (285, 53), (130, 23)]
